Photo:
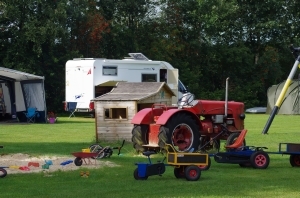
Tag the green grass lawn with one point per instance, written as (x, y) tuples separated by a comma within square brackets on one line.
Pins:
[(221, 180)]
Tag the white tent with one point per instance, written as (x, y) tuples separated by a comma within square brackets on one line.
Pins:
[(22, 90), (290, 104)]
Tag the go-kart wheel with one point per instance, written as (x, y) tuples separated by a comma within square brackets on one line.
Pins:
[(96, 148), (205, 167), (192, 173), (78, 161), (179, 172), (260, 160), (137, 177), (3, 172), (295, 160)]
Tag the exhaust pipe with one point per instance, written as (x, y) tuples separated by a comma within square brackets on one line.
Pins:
[(226, 98)]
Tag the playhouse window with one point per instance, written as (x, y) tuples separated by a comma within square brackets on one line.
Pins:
[(115, 113), (110, 70)]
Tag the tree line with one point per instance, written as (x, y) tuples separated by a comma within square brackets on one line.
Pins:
[(208, 41)]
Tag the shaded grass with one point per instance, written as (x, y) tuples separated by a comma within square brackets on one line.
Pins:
[(222, 180)]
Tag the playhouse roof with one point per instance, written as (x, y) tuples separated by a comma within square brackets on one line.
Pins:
[(134, 91)]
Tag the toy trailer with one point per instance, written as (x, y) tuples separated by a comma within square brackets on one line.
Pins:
[(88, 78)]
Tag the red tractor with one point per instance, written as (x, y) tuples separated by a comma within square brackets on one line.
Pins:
[(191, 125)]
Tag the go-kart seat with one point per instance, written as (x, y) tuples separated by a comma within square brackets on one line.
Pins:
[(239, 141)]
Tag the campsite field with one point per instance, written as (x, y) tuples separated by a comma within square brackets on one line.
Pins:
[(222, 180)]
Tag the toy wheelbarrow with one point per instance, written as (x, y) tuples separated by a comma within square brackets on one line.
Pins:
[(3, 172), (84, 157)]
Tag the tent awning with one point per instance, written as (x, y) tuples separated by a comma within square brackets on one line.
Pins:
[(6, 73)]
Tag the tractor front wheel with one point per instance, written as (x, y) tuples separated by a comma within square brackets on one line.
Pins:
[(139, 137), (181, 131), (295, 160)]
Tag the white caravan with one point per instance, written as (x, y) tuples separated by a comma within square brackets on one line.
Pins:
[(88, 78)]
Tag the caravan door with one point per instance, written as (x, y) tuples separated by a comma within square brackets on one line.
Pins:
[(172, 81)]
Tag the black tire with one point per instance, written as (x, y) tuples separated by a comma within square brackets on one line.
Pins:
[(192, 173), (203, 167), (295, 160), (179, 172), (260, 160), (96, 148), (3, 172), (137, 177), (139, 137), (176, 124), (78, 161), (232, 138)]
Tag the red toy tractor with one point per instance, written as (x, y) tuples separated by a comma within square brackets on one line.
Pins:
[(191, 125)]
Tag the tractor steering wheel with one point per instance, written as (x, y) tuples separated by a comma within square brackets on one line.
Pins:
[(185, 100)]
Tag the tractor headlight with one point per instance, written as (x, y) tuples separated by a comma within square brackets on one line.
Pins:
[(242, 116)]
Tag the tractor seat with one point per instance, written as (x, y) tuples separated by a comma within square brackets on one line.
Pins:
[(239, 141)]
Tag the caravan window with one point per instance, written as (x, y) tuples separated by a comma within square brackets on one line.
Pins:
[(149, 78), (110, 70)]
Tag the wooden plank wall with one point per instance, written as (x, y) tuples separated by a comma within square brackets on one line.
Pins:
[(114, 129), (120, 129)]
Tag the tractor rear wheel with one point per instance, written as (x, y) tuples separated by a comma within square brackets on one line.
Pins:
[(139, 137), (181, 131), (232, 138), (295, 160)]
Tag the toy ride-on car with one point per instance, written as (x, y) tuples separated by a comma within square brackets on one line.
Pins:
[(186, 165), (245, 156)]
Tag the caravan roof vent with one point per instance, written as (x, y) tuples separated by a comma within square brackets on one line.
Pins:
[(138, 56)]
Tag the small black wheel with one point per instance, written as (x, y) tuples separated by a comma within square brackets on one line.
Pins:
[(179, 172), (192, 173), (137, 177), (260, 160), (3, 172), (205, 167), (78, 161), (96, 148), (295, 160)]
